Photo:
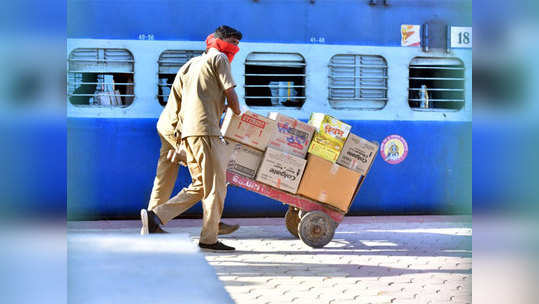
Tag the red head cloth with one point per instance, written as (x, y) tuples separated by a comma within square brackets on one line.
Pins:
[(224, 47)]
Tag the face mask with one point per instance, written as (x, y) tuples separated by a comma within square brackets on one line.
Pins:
[(227, 48)]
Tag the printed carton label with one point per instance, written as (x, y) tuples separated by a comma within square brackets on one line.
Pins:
[(253, 121), (331, 130), (285, 173), (357, 154), (281, 170), (295, 138), (241, 169)]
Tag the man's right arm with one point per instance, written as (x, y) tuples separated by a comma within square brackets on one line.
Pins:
[(232, 100), (222, 67)]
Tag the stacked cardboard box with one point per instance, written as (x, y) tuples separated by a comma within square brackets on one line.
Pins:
[(292, 136), (284, 160), (281, 170), (249, 128), (357, 154), (330, 136), (286, 141), (243, 160), (248, 136), (328, 182)]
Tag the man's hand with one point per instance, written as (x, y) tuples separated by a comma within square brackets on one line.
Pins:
[(232, 101), (177, 156)]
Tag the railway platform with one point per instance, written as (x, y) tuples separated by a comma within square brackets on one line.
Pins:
[(386, 259)]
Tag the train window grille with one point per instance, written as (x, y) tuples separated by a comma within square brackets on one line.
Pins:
[(275, 79), (169, 63), (357, 82), (436, 83), (100, 77)]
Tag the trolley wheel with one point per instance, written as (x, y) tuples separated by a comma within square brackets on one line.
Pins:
[(292, 221), (316, 229)]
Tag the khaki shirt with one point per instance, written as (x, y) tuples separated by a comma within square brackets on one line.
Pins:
[(197, 97), (204, 80)]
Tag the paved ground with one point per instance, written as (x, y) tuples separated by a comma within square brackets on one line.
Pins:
[(414, 259)]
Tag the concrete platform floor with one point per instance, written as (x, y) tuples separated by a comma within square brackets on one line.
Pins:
[(389, 259)]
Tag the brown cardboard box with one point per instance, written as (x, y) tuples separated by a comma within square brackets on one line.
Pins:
[(249, 128), (329, 183), (243, 160), (292, 136), (357, 154), (281, 170)]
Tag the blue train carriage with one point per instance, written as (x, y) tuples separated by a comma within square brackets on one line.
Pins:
[(399, 72)]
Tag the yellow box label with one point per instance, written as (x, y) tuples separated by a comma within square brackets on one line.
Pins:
[(330, 142), (329, 127), (325, 151)]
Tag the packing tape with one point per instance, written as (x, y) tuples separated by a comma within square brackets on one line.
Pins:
[(334, 169), (322, 196)]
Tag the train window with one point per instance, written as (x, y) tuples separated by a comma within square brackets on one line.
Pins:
[(170, 62), (100, 77), (436, 83), (275, 79), (357, 82)]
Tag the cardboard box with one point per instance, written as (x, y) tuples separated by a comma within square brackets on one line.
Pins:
[(281, 170), (243, 160), (249, 128), (330, 136), (329, 127), (327, 149), (292, 136), (357, 154), (328, 183)]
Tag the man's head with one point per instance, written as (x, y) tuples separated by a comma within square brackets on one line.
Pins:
[(228, 34)]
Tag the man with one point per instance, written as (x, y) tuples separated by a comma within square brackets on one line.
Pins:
[(193, 114)]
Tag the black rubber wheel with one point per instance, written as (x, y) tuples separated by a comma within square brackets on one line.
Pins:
[(316, 229), (292, 221)]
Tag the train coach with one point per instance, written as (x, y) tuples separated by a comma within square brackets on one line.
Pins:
[(399, 72)]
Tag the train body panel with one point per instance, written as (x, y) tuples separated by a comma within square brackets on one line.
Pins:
[(112, 164), (285, 21)]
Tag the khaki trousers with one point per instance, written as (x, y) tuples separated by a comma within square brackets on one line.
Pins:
[(206, 160), (166, 173)]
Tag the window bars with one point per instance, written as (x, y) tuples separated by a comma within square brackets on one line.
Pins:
[(436, 83), (100, 77), (275, 79), (357, 82)]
